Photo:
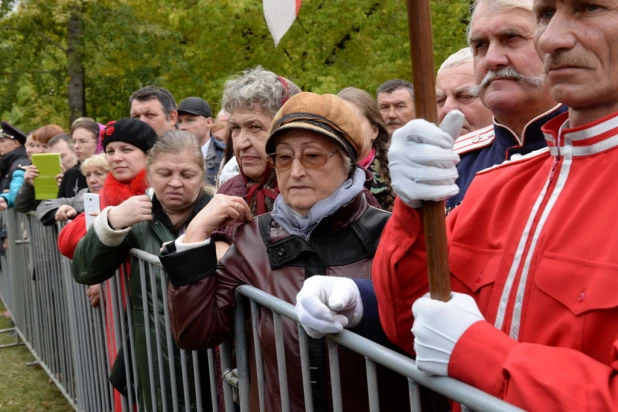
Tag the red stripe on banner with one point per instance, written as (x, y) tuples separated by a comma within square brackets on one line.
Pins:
[(298, 2)]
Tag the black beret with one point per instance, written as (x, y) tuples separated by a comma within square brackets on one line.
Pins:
[(131, 131)]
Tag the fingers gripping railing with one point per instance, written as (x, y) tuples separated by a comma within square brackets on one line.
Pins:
[(373, 353), (69, 339)]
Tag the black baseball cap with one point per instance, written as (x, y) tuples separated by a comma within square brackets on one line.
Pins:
[(8, 131), (196, 106)]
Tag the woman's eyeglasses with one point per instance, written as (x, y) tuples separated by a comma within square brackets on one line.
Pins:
[(309, 160)]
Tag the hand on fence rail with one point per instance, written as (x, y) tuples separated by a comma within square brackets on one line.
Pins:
[(94, 295), (65, 212), (372, 351), (328, 304)]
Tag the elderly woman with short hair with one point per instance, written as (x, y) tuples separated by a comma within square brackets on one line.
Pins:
[(320, 224), (252, 99)]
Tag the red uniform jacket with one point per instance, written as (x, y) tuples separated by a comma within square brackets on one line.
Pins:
[(535, 242)]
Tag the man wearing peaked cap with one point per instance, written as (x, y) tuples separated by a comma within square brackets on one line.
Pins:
[(8, 131), (13, 156), (195, 116)]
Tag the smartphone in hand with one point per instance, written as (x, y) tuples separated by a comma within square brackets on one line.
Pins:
[(91, 205)]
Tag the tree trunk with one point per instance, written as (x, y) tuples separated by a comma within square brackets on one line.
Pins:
[(75, 56)]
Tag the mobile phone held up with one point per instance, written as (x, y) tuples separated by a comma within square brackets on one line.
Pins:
[(91, 206), (49, 166)]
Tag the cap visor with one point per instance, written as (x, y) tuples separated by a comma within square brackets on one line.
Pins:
[(194, 113), (303, 126)]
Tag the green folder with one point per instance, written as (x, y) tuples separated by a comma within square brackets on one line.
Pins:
[(45, 186)]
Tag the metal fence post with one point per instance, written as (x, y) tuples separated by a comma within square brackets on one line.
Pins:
[(242, 358)]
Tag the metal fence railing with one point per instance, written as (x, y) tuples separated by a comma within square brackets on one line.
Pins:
[(75, 343)]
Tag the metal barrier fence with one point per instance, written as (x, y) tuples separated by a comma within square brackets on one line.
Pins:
[(76, 344), (73, 342)]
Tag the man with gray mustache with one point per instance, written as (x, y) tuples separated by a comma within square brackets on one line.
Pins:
[(533, 316), (510, 83)]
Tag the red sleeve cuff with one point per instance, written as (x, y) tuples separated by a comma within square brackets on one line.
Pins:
[(70, 235), (479, 357)]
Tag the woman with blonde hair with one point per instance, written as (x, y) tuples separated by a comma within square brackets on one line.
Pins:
[(174, 168)]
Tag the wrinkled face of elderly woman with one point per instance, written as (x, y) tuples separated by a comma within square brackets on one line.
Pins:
[(249, 134), (309, 166)]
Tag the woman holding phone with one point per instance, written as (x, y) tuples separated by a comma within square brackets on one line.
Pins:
[(174, 169), (132, 140)]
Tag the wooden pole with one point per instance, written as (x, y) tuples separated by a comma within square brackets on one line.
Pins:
[(421, 52)]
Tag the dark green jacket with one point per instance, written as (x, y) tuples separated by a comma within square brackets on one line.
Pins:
[(97, 257)]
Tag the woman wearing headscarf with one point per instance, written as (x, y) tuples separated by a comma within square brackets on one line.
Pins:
[(321, 224)]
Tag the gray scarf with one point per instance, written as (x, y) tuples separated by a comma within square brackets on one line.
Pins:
[(296, 224)]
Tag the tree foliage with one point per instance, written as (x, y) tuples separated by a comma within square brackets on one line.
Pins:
[(193, 46)]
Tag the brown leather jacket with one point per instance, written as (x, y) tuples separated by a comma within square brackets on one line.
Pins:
[(264, 255)]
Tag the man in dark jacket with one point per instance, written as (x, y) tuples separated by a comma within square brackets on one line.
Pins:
[(195, 116), (13, 156)]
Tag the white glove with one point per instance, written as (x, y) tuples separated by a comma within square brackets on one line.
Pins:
[(327, 304), (437, 328), (422, 161)]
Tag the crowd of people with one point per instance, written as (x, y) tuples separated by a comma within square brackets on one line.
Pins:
[(316, 199)]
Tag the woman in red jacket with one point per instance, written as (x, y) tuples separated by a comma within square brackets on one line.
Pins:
[(127, 158)]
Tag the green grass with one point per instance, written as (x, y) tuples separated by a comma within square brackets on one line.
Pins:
[(25, 388)]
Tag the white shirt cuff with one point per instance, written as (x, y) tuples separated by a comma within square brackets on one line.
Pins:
[(181, 246)]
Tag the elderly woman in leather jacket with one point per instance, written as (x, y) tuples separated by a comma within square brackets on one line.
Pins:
[(321, 224)]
